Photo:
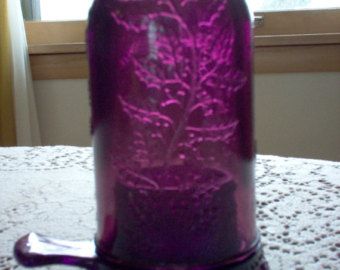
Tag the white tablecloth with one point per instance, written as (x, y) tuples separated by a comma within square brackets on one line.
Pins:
[(50, 190)]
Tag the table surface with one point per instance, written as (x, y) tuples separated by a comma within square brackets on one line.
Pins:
[(50, 190)]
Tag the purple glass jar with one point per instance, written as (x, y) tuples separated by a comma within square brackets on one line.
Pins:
[(172, 125)]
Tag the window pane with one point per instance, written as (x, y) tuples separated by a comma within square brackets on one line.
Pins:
[(60, 10), (273, 5), (64, 10)]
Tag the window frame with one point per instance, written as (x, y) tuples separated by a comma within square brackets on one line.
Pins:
[(285, 42)]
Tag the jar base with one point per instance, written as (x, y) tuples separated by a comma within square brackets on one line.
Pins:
[(255, 260), (35, 250)]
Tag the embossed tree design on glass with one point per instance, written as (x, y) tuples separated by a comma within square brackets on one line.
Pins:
[(172, 125)]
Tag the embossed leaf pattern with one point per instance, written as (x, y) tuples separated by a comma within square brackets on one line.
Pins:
[(187, 78)]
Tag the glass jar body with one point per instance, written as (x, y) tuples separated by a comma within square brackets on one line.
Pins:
[(172, 125)]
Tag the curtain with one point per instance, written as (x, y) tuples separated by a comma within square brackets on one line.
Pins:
[(31, 9), (26, 121), (7, 124)]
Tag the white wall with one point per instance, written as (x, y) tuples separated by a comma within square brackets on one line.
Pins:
[(296, 114), (63, 112)]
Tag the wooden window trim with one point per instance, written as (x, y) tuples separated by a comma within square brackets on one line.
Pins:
[(294, 41)]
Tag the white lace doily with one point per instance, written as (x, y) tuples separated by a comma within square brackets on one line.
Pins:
[(50, 190)]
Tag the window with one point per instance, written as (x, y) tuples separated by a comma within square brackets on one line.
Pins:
[(292, 36), (64, 10), (284, 5), (56, 10)]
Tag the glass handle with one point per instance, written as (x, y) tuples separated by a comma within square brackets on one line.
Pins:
[(37, 250)]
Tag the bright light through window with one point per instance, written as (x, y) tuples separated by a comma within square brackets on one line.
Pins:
[(64, 10), (273, 5), (61, 10)]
